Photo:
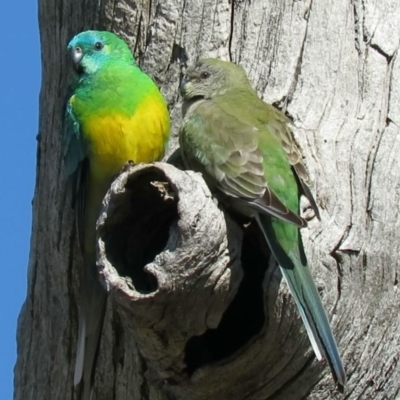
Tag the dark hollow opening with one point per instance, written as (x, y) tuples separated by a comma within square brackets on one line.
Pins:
[(137, 227), (244, 318)]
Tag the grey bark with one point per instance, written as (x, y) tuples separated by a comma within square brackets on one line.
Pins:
[(333, 67)]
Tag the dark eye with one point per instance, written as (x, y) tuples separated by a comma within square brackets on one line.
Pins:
[(204, 75), (98, 46)]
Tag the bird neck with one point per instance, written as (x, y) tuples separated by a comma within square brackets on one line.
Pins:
[(116, 72)]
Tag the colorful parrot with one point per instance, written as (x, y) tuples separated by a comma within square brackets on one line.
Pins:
[(246, 153), (115, 114)]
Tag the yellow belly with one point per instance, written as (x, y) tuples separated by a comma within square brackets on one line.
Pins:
[(115, 139)]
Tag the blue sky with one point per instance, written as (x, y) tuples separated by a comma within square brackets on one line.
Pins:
[(20, 84)]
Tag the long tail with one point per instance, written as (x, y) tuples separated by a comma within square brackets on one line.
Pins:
[(91, 317), (302, 287)]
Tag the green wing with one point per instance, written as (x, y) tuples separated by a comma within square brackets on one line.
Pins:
[(240, 147), (74, 150), (75, 162), (278, 124)]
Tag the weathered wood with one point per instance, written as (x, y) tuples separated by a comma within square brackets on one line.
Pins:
[(333, 67), (172, 266)]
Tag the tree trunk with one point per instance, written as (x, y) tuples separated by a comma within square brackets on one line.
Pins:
[(196, 311)]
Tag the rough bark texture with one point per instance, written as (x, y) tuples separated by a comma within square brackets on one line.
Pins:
[(333, 66)]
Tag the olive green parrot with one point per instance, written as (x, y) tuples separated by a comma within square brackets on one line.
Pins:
[(245, 151)]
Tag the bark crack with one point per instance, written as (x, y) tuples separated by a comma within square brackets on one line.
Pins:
[(138, 34), (379, 49), (299, 63), (232, 3), (378, 138)]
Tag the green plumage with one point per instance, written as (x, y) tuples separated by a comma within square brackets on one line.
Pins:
[(114, 114), (245, 150)]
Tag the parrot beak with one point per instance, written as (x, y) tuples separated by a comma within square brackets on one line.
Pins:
[(187, 90), (77, 55)]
